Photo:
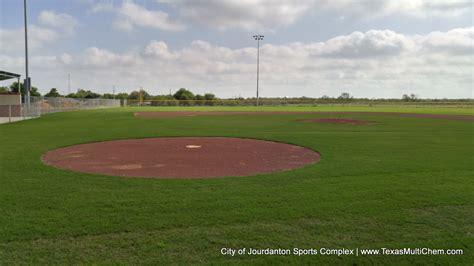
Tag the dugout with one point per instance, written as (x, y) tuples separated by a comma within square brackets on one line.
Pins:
[(10, 102)]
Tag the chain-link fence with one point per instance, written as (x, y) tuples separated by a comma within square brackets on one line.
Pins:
[(17, 112), (302, 102), (44, 105), (60, 104)]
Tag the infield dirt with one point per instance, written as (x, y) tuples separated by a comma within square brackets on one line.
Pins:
[(183, 157)]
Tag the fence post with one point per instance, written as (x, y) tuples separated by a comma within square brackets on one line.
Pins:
[(9, 113)]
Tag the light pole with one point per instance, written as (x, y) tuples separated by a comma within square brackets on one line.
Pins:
[(27, 78), (68, 83), (258, 38)]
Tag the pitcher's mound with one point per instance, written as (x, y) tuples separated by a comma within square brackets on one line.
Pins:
[(182, 157)]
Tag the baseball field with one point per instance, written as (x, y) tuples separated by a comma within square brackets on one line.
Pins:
[(393, 182)]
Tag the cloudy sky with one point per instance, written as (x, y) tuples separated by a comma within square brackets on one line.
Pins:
[(369, 48)]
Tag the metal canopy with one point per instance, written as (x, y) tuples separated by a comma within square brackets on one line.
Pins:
[(4, 75)]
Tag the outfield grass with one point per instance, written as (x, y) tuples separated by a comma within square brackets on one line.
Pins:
[(404, 182), (467, 110)]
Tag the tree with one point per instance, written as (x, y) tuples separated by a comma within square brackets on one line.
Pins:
[(53, 93), (410, 98), (122, 95), (163, 100), (199, 97), (210, 97), (92, 95), (14, 88), (344, 96), (4, 89), (80, 93), (183, 94), (84, 94), (135, 95)]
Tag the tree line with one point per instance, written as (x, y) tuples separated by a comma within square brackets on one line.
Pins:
[(139, 95), (13, 88), (185, 94)]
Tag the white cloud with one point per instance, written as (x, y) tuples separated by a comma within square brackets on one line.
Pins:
[(366, 64), (131, 15), (373, 43), (54, 26), (102, 7), (158, 49), (61, 21), (123, 24), (261, 15), (65, 59), (425, 8), (269, 15), (381, 8), (454, 42), (12, 40), (417, 8), (245, 14)]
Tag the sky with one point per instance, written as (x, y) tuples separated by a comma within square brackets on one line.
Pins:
[(368, 48)]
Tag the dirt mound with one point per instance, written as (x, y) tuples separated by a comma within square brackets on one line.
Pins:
[(183, 157), (45, 105)]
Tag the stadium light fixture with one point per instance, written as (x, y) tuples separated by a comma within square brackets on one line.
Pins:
[(258, 38)]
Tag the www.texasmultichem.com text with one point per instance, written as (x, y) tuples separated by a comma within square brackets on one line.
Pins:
[(338, 251)]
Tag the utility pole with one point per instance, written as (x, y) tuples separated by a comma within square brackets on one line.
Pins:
[(258, 38), (68, 83), (140, 96), (113, 91), (27, 82)]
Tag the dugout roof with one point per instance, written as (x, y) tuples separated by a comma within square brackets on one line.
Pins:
[(4, 75)]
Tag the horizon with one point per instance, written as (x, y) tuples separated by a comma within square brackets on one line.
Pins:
[(370, 49)]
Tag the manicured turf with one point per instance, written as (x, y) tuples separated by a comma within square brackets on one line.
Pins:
[(465, 110), (404, 182)]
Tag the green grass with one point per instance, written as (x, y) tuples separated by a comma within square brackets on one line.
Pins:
[(404, 182), (322, 108)]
